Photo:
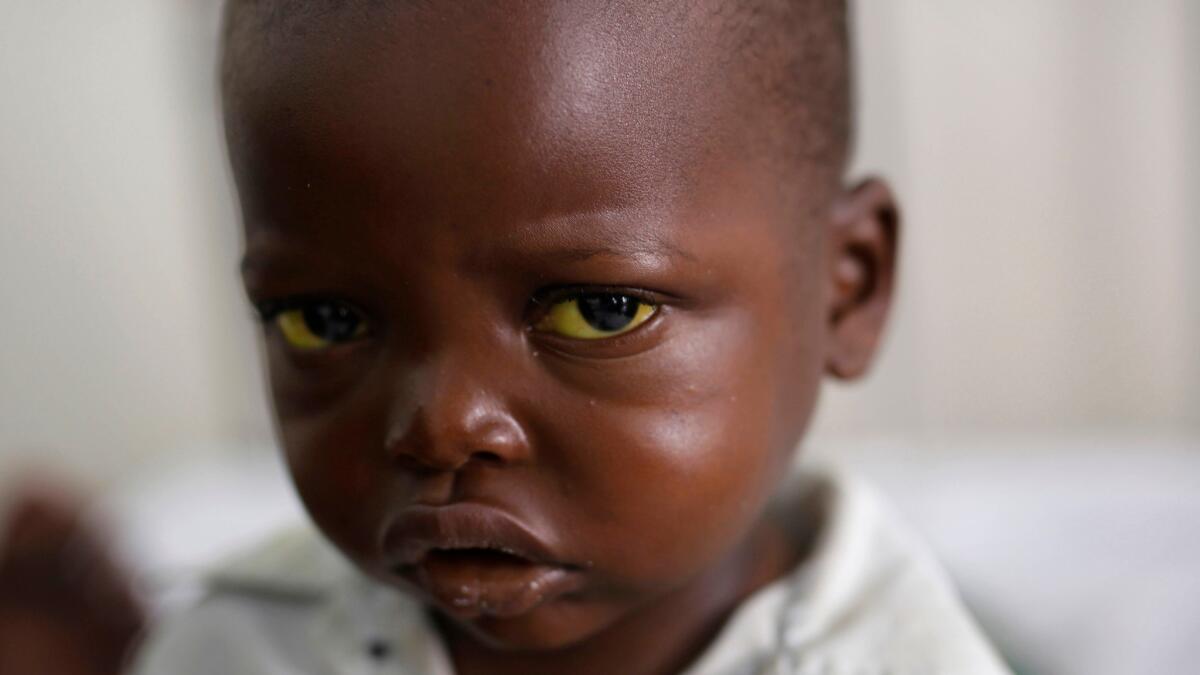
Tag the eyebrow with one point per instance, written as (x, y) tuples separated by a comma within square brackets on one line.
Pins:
[(268, 258), (580, 237), (254, 261), (660, 249), (648, 248)]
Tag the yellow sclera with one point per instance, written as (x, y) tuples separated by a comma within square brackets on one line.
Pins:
[(335, 324), (566, 319), (295, 331)]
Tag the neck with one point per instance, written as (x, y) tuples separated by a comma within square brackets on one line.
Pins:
[(660, 638)]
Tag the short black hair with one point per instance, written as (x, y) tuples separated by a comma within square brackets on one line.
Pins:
[(791, 56), (795, 54)]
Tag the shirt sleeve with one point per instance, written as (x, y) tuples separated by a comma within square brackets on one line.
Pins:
[(231, 634)]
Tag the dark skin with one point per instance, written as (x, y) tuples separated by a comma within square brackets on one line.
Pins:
[(438, 185), (442, 182), (424, 192)]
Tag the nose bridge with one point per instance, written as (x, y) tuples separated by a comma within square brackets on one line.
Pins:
[(453, 407)]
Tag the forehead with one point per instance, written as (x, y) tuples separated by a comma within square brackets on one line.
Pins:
[(585, 123), (470, 95)]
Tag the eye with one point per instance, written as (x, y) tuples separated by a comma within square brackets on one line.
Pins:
[(318, 324), (593, 316)]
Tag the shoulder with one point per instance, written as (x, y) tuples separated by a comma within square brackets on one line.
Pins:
[(873, 599), (869, 599), (226, 633), (259, 613)]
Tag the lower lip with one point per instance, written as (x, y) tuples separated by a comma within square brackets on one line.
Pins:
[(470, 585)]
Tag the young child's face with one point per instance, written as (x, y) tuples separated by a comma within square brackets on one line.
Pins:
[(541, 339)]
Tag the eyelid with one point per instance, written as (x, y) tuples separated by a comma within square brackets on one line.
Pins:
[(267, 310), (554, 294), (543, 301), (623, 345)]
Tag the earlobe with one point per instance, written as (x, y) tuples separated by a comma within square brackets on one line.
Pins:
[(864, 232)]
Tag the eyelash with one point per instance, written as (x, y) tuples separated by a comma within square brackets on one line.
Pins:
[(555, 294), (267, 311)]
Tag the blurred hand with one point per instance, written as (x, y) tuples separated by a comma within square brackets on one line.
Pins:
[(66, 608)]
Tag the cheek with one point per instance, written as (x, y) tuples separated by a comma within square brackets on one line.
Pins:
[(335, 460), (681, 449)]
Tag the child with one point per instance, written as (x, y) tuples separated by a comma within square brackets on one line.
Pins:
[(547, 289)]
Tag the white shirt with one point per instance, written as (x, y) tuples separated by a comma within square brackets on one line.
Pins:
[(868, 600)]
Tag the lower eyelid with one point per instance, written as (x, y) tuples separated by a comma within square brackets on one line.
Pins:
[(643, 338)]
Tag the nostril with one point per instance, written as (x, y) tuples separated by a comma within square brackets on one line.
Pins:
[(423, 442), (416, 466), (486, 457)]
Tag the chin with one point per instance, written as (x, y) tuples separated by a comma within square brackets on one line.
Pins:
[(546, 628)]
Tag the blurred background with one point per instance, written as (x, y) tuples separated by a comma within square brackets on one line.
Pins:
[(1036, 408)]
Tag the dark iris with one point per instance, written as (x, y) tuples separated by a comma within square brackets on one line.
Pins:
[(607, 311), (332, 321)]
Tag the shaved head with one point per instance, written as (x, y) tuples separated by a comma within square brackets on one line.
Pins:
[(785, 61), (581, 262)]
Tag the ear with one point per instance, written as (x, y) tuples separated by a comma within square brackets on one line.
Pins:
[(861, 267)]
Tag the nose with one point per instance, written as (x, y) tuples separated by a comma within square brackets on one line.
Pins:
[(448, 413)]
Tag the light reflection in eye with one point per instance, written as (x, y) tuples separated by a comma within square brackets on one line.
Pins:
[(318, 324), (593, 316)]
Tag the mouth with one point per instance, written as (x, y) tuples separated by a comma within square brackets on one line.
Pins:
[(476, 561)]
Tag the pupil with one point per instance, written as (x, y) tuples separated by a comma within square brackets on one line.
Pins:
[(331, 322), (608, 312)]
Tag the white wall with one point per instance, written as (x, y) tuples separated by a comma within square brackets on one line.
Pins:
[(115, 237), (1043, 149)]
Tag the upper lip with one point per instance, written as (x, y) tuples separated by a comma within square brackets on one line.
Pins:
[(418, 530)]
